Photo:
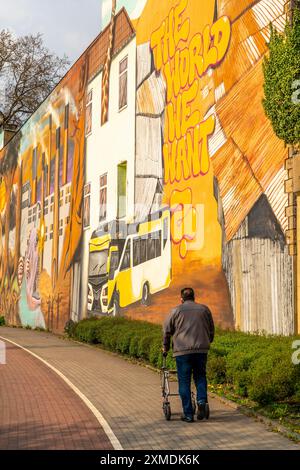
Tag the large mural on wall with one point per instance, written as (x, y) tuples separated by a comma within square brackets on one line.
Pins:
[(218, 165), (209, 200), (40, 212), (221, 168), (186, 52)]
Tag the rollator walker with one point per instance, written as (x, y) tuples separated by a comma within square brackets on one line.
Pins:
[(166, 392)]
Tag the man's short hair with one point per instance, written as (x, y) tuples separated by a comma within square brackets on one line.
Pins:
[(187, 294)]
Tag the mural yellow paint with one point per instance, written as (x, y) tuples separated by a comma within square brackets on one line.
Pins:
[(177, 180)]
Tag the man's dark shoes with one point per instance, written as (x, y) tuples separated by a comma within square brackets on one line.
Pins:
[(201, 411), (187, 419)]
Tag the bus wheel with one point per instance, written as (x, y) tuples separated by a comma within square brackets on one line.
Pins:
[(116, 307), (146, 294)]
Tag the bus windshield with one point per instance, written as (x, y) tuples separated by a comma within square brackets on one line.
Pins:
[(98, 263), (114, 262)]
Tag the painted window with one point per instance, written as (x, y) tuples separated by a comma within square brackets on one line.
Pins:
[(122, 190), (68, 195), (147, 248), (87, 206), (103, 197), (89, 113), (34, 214), (52, 204), (127, 257), (136, 252), (61, 225), (143, 254), (46, 207), (123, 83), (61, 198), (98, 263)]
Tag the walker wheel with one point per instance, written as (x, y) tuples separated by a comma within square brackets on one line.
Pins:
[(207, 411), (167, 411)]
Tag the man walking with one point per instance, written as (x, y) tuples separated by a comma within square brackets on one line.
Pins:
[(192, 327)]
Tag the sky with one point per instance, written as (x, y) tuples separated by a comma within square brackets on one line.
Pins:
[(68, 26), (133, 7)]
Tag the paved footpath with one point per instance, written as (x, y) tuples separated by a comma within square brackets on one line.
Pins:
[(39, 410)]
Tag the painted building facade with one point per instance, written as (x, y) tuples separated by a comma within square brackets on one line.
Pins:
[(150, 167), (110, 157)]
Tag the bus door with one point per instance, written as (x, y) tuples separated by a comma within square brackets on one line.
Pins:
[(120, 276), (113, 263)]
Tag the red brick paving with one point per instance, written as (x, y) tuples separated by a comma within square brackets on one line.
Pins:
[(39, 411)]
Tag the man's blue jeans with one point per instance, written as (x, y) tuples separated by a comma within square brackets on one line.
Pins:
[(187, 366)]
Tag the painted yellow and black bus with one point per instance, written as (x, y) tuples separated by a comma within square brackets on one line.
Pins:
[(129, 263)]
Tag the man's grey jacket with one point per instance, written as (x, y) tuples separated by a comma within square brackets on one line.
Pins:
[(192, 327)]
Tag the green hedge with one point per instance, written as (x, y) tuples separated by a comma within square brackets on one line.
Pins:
[(140, 340), (2, 321), (256, 366)]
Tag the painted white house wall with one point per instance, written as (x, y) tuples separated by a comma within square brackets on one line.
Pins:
[(107, 147)]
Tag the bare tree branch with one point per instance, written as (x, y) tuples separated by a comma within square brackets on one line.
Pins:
[(28, 73)]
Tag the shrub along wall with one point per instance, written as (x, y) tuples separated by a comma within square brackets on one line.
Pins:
[(258, 367)]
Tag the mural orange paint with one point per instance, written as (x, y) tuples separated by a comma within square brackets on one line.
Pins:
[(178, 178)]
